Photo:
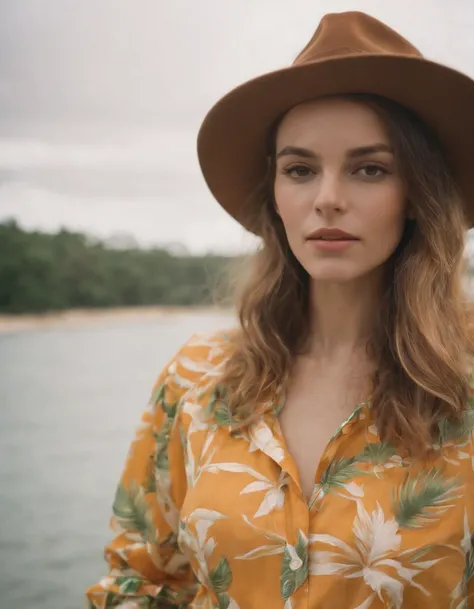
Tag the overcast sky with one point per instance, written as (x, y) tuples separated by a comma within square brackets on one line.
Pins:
[(101, 101)]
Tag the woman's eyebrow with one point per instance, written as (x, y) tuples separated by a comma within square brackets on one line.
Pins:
[(352, 153), (297, 151), (371, 149)]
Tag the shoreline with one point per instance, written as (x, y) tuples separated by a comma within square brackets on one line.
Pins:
[(73, 317)]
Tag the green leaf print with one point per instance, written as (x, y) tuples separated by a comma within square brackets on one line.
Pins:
[(288, 586), (161, 459), (355, 413), (132, 512), (162, 439), (112, 599), (376, 453), (452, 431), (294, 567), (224, 601), (169, 410), (338, 472), (422, 498), (218, 393), (159, 394), (128, 584), (221, 577), (218, 407), (419, 553), (123, 505), (302, 552), (222, 416), (163, 435), (168, 597)]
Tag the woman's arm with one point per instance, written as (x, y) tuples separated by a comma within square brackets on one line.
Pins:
[(145, 565)]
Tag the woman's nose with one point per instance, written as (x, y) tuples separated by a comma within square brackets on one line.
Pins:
[(329, 197)]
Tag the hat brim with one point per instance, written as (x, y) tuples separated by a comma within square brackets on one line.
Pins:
[(233, 136)]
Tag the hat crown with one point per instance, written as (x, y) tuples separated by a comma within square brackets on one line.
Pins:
[(353, 33)]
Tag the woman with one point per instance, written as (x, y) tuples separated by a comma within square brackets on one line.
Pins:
[(253, 481)]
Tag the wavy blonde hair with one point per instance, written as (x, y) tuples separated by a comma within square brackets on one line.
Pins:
[(425, 339)]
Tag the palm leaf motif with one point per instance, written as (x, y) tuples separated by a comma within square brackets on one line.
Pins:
[(131, 511), (338, 472), (113, 599), (158, 394), (294, 567), (169, 597), (218, 407), (128, 584), (417, 554), (161, 456), (163, 435), (376, 453), (452, 431), (354, 414), (424, 497), (221, 579), (279, 401)]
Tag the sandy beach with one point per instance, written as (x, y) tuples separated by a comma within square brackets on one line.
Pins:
[(25, 322)]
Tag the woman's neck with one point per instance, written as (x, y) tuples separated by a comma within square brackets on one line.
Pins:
[(343, 316)]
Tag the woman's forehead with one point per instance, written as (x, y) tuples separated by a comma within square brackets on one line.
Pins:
[(331, 121)]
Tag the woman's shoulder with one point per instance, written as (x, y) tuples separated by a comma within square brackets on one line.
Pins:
[(204, 352), (202, 355)]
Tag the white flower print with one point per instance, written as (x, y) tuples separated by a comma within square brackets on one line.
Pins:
[(377, 543)]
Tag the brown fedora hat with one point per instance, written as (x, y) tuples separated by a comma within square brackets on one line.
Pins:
[(349, 53)]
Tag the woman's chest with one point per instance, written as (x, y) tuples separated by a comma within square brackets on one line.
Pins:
[(371, 515), (315, 410), (307, 425)]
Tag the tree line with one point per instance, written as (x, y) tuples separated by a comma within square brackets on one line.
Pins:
[(42, 272)]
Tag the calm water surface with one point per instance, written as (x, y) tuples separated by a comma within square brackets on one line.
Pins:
[(70, 400)]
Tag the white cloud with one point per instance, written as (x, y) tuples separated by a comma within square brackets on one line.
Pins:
[(133, 151)]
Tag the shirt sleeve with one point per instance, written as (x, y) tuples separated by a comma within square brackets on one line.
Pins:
[(145, 566), (468, 539)]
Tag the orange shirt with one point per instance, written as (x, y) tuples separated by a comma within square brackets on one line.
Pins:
[(207, 519)]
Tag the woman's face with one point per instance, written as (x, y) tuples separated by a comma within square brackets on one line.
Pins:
[(335, 170)]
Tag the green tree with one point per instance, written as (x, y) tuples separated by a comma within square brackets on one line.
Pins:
[(41, 272)]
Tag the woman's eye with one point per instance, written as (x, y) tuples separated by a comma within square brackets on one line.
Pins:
[(372, 171), (298, 171)]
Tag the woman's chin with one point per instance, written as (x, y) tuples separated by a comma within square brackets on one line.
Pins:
[(333, 271)]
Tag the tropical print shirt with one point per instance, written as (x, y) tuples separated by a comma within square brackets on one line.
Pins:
[(207, 517)]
